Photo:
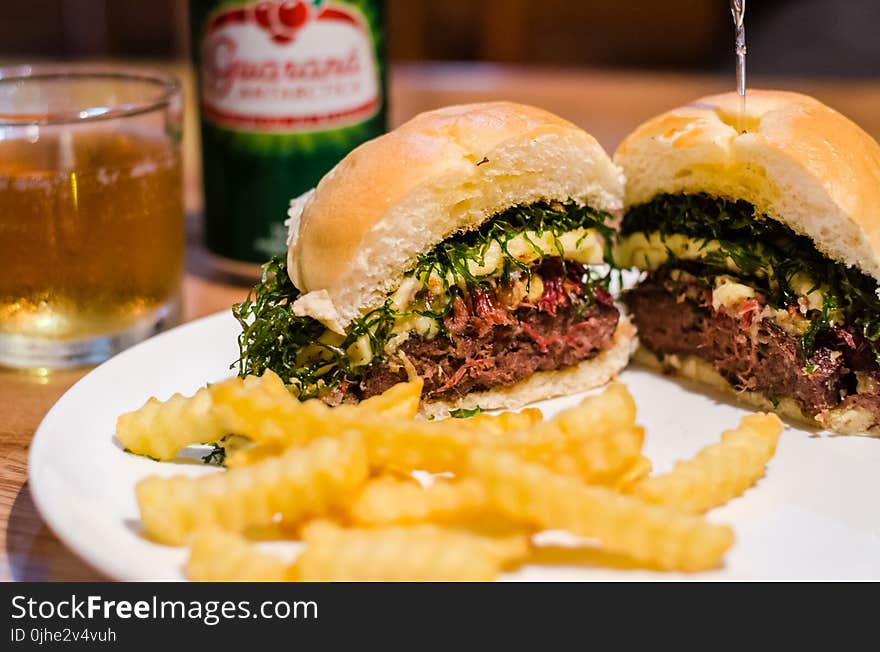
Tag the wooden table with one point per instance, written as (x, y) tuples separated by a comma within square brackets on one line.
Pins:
[(606, 104)]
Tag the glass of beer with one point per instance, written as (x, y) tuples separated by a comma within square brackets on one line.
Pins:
[(91, 212)]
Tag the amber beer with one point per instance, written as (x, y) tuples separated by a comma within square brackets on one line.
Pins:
[(91, 237), (91, 212), (287, 88)]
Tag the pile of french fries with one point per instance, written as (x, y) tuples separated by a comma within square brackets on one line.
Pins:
[(341, 480)]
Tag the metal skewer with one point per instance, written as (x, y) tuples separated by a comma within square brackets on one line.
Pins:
[(738, 9)]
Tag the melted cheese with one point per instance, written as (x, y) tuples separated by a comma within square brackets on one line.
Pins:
[(811, 296), (730, 294), (361, 352), (650, 251), (581, 245)]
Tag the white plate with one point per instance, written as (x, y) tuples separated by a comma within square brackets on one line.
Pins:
[(815, 515)]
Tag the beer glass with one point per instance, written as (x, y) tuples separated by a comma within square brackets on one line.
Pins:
[(91, 212)]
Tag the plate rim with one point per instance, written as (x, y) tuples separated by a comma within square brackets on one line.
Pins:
[(122, 566), (75, 543)]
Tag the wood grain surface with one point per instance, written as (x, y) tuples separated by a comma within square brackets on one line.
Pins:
[(607, 104)]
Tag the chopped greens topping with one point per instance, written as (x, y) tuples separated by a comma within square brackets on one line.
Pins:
[(452, 257), (464, 413), (314, 360), (217, 456), (769, 256), (220, 450)]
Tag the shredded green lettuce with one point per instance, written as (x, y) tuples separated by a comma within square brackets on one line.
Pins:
[(782, 255)]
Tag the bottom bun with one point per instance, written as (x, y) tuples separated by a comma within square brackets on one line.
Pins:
[(589, 374), (849, 421)]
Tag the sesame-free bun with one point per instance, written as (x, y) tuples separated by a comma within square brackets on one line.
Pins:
[(397, 196), (795, 159)]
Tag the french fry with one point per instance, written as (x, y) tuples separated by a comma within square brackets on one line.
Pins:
[(631, 476), (509, 543), (424, 553), (501, 422), (220, 556), (246, 408), (718, 472), (595, 440), (387, 501), (269, 383), (160, 429), (586, 557), (252, 455), (581, 471), (300, 484), (400, 401), (596, 458), (623, 524), (391, 443), (417, 446), (391, 446)]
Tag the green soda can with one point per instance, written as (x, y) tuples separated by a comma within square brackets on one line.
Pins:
[(286, 89)]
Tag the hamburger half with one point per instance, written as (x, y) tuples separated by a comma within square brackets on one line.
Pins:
[(759, 238), (468, 247)]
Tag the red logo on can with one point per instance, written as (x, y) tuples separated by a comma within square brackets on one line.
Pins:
[(288, 66)]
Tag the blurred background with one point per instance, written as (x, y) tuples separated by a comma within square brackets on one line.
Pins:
[(786, 37), (604, 65)]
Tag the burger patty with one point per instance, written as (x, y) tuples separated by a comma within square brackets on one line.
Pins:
[(487, 346), (754, 353)]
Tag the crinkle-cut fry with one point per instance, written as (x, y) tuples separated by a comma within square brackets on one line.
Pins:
[(269, 382), (386, 501), (220, 556), (564, 443), (623, 524), (393, 443), (596, 440), (613, 409), (595, 458), (423, 446), (252, 455), (282, 420), (508, 549), (719, 472), (500, 423), (400, 401), (245, 407), (585, 556), (393, 475), (160, 429), (425, 552), (300, 484), (639, 470)]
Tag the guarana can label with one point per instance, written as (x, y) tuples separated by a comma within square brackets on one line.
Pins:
[(286, 89)]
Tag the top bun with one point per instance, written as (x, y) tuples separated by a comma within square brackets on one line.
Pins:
[(796, 160), (395, 197)]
